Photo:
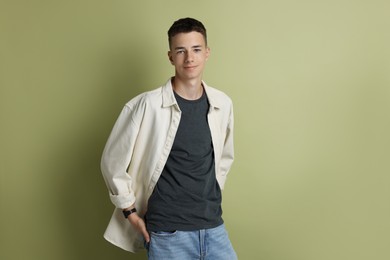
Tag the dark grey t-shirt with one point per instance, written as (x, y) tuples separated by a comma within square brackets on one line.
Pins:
[(187, 195)]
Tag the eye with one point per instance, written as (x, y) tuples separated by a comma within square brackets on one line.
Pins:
[(197, 50), (180, 52)]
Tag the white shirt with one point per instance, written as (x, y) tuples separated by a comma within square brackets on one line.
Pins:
[(138, 147)]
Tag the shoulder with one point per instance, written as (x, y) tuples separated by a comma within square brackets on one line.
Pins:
[(152, 97), (217, 97)]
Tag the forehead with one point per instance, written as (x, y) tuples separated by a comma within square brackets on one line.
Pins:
[(187, 40)]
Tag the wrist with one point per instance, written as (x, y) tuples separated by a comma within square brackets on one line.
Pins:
[(129, 211)]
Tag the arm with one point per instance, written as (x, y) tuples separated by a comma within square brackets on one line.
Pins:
[(228, 147), (138, 223), (116, 159)]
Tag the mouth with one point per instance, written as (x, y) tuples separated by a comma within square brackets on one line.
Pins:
[(190, 67)]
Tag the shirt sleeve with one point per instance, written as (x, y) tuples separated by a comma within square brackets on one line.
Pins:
[(228, 148), (117, 156)]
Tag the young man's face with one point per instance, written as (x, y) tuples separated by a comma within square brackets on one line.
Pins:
[(188, 53)]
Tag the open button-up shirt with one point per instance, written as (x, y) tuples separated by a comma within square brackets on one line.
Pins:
[(139, 145)]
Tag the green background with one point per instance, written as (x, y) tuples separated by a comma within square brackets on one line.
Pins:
[(310, 81)]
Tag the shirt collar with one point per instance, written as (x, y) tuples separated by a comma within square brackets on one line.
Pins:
[(168, 97)]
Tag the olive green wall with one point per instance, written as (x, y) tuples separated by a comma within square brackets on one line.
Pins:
[(310, 81)]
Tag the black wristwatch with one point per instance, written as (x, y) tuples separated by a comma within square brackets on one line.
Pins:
[(127, 213)]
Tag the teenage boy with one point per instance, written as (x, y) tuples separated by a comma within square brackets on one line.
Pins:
[(167, 159)]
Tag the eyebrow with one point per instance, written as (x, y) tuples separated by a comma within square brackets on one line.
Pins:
[(193, 47)]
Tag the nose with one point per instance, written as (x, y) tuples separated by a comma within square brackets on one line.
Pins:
[(189, 57)]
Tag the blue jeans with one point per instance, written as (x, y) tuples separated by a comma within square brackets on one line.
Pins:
[(204, 244)]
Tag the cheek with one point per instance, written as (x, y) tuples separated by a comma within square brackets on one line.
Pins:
[(177, 59)]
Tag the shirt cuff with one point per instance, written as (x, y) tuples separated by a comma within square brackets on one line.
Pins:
[(123, 201)]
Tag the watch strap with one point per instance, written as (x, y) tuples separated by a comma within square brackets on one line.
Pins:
[(127, 213)]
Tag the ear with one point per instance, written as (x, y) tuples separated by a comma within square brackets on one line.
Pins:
[(170, 57), (208, 50)]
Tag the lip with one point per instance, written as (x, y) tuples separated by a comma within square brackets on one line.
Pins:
[(190, 67)]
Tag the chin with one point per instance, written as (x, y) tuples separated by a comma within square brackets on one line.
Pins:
[(189, 76)]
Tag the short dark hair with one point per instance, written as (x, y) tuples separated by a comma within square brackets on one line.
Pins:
[(186, 25)]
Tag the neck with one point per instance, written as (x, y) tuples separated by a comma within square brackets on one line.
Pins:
[(191, 89)]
